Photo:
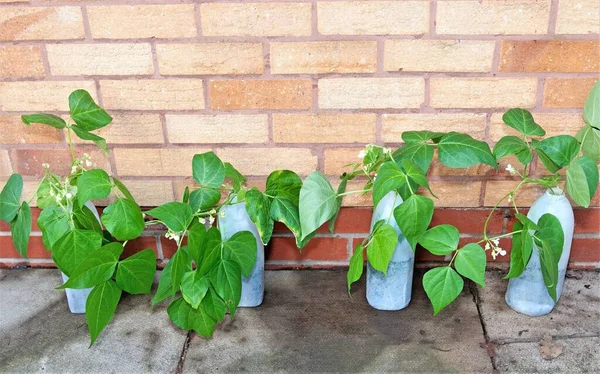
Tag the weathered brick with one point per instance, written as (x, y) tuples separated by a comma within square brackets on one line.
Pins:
[(393, 125), (14, 131), (217, 128), (29, 161), (573, 56), (142, 21), (566, 92), (578, 17), (526, 195), (438, 55), (261, 94), (5, 165), (210, 58), (372, 17), (155, 162), (132, 129), (324, 249), (553, 123), (21, 61), (40, 95), (323, 57), (262, 161), (150, 192), (483, 92), (255, 19), (338, 159), (357, 93), (461, 194), (324, 128), (148, 94), (507, 17), (100, 59), (41, 23)]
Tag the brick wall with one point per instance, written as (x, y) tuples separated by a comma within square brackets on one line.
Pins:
[(301, 85)]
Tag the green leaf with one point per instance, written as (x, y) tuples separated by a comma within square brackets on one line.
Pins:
[(73, 248), (115, 248), (176, 215), (235, 176), (413, 216), (84, 218), (227, 281), (258, 208), (123, 189), (511, 145), (213, 305), (526, 222), (195, 240), (54, 224), (522, 121), (85, 112), (98, 267), (284, 186), (287, 212), (123, 219), (421, 136), (93, 184), (20, 228), (355, 269), (241, 248), (165, 288), (550, 232), (420, 153), (209, 251), (194, 288), (591, 109), (181, 264), (458, 150), (440, 240), (204, 198), (317, 203), (135, 274), (85, 135), (208, 170), (549, 266), (100, 307), (185, 317), (10, 197), (442, 285), (186, 195), (589, 137), (382, 247), (560, 149), (340, 190), (582, 180), (44, 199), (389, 178), (43, 118), (522, 247), (470, 263), (416, 174)]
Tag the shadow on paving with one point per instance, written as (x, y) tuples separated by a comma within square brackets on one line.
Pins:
[(308, 323)]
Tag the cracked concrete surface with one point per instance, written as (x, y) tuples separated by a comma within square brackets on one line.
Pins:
[(306, 324)]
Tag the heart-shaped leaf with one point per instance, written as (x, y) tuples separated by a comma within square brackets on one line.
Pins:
[(442, 285), (84, 111), (522, 121)]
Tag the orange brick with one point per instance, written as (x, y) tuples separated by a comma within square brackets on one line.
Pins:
[(483, 92), (324, 128), (262, 161), (566, 92), (21, 61), (255, 19), (372, 17), (469, 221), (155, 162), (100, 59), (40, 95), (472, 17), (338, 159), (526, 195), (573, 56), (41, 23), (142, 21), (210, 58), (29, 161), (372, 93), (261, 94), (14, 131), (234, 128), (153, 94), (395, 124), (132, 129), (324, 249), (35, 249), (5, 165), (438, 55), (553, 123), (455, 193), (578, 17), (323, 57)]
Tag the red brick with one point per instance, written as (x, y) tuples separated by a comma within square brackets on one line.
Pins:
[(324, 249), (585, 250), (35, 248), (469, 221), (587, 220), (169, 247), (35, 214), (138, 245)]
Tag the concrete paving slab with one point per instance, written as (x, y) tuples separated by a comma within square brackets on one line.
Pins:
[(39, 334), (580, 355), (308, 323), (576, 314)]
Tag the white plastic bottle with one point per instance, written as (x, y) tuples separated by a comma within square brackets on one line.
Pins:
[(527, 293), (391, 292), (235, 219)]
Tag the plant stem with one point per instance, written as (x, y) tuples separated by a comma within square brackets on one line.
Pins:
[(500, 236), (70, 141), (355, 191)]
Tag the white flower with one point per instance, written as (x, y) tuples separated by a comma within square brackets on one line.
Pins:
[(387, 150), (511, 169), (86, 156), (68, 195), (362, 154), (175, 237), (88, 163), (73, 169), (58, 199), (222, 213), (51, 192), (45, 165), (487, 246), (202, 220), (374, 177), (496, 241), (502, 252), (211, 220), (510, 198)]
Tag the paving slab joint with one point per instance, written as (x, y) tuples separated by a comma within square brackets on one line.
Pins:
[(554, 337), (489, 344)]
